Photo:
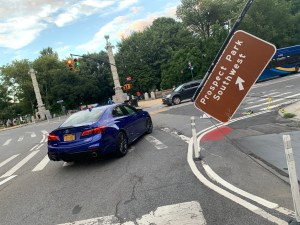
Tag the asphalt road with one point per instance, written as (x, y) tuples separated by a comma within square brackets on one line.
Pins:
[(152, 184)]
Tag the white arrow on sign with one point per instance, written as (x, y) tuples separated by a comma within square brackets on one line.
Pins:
[(240, 82)]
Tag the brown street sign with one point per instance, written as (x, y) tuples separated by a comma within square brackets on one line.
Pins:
[(243, 60)]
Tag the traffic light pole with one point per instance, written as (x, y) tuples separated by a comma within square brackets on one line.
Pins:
[(216, 59), (88, 57)]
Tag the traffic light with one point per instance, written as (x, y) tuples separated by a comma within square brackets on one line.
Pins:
[(70, 64), (126, 86), (76, 64)]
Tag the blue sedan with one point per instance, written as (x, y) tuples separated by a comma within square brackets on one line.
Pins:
[(98, 131)]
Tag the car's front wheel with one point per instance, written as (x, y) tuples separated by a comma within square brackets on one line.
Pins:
[(122, 144), (149, 126), (176, 100)]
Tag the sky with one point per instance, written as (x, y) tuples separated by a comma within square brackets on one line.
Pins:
[(72, 26)]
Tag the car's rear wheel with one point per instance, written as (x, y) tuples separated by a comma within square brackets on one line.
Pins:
[(122, 144), (297, 69), (149, 126), (176, 100)]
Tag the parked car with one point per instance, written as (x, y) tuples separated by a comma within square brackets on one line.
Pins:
[(98, 131), (183, 92)]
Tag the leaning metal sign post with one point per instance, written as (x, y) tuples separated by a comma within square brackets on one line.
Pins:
[(241, 63)]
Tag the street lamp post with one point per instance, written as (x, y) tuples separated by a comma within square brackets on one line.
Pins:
[(191, 68), (119, 96)]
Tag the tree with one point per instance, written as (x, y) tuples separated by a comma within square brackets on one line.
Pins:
[(143, 54), (275, 21), (200, 15)]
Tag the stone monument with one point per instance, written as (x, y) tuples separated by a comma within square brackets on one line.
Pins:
[(119, 96), (42, 113)]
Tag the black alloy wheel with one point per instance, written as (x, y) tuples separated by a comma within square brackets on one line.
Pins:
[(122, 144), (149, 126)]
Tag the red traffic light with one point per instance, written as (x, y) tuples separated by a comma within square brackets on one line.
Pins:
[(70, 64)]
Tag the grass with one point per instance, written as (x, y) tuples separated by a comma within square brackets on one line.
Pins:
[(288, 115)]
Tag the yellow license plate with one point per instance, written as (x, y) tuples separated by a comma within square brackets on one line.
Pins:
[(69, 137)]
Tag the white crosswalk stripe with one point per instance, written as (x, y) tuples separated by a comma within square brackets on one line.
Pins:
[(26, 136), (8, 160), (189, 213), (7, 142), (20, 164), (42, 164), (157, 143), (265, 104)]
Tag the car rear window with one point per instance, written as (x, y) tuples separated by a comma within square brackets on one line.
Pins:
[(84, 117)]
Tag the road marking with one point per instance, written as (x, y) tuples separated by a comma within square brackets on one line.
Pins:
[(276, 106), (227, 194), (21, 138), (45, 132), (273, 96), (157, 143), (42, 164), (175, 133), (277, 100), (19, 165), (43, 139), (218, 179), (7, 179), (7, 142), (33, 147), (178, 214), (8, 160), (39, 146)]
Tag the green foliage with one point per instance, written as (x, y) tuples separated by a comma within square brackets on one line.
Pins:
[(288, 115), (200, 15), (276, 21)]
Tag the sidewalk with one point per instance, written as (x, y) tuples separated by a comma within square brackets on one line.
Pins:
[(294, 109), (149, 103)]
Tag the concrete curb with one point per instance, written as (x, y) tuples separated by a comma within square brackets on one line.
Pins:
[(13, 127)]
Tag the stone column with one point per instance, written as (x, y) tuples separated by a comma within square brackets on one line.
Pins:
[(119, 96), (44, 114)]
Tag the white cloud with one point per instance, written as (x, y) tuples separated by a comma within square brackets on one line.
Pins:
[(22, 21), (136, 9), (86, 8), (122, 27), (19, 32), (120, 22)]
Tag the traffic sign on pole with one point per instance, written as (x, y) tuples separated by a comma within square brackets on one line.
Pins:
[(241, 63)]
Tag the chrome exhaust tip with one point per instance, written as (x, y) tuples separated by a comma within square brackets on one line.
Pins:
[(94, 154)]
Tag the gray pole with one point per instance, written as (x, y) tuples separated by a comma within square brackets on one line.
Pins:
[(119, 96), (292, 175), (44, 114)]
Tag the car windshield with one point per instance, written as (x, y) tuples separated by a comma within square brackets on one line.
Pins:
[(84, 117), (178, 88)]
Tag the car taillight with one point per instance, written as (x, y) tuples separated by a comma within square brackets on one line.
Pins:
[(86, 132), (97, 130), (53, 138)]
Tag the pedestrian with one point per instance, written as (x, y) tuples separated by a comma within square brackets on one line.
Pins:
[(110, 102), (138, 94)]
